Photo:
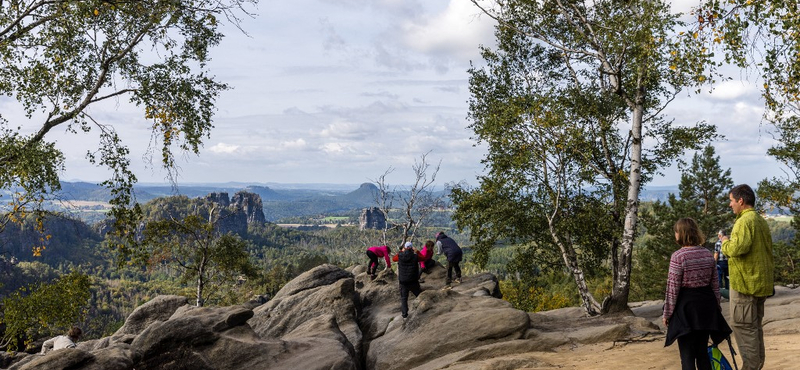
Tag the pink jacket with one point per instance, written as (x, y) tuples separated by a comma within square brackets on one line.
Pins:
[(426, 255), (382, 251)]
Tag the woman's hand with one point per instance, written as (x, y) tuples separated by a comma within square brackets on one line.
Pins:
[(666, 322)]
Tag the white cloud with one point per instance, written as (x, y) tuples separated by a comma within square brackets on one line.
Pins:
[(222, 148), (345, 130), (294, 144), (457, 31), (683, 6), (337, 148), (734, 89)]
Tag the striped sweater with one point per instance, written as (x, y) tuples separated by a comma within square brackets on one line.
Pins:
[(690, 267)]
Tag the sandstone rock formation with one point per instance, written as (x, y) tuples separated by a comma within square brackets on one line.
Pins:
[(236, 213), (372, 218), (330, 318)]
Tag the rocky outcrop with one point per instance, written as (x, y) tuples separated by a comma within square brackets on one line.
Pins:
[(330, 318), (195, 338), (372, 218), (251, 205), (234, 214), (325, 294)]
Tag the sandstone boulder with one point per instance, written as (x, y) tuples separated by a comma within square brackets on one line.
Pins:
[(220, 339), (325, 291), (442, 322), (158, 309)]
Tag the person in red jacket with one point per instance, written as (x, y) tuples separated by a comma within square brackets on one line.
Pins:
[(373, 253), (427, 253)]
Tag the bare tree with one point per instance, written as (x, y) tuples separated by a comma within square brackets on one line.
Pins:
[(384, 198), (418, 202)]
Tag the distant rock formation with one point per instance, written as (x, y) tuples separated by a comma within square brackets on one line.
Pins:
[(251, 204), (220, 198), (372, 218), (235, 214)]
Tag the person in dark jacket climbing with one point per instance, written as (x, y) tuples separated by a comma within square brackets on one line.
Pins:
[(453, 253), (408, 274)]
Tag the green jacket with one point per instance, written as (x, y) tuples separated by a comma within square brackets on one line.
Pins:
[(749, 252)]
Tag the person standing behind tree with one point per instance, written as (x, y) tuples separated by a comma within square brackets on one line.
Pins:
[(750, 263), (692, 311), (373, 253), (63, 341), (408, 274), (453, 252), (722, 261)]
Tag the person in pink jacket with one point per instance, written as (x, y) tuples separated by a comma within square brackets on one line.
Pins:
[(427, 253), (373, 253)]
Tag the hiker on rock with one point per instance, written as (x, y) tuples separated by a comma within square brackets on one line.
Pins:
[(63, 341), (453, 253), (408, 274), (692, 311), (751, 267), (373, 253), (428, 263)]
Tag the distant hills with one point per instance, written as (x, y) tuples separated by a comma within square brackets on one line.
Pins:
[(278, 203), (287, 201)]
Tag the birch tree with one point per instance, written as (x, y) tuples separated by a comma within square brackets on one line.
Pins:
[(207, 260), (570, 105)]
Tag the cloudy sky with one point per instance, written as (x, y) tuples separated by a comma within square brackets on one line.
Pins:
[(338, 91)]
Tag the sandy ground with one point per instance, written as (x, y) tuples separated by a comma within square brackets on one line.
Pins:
[(783, 352), (781, 337)]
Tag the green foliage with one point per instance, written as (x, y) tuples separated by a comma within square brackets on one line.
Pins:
[(564, 104), (210, 260), (57, 59), (762, 35), (532, 298), (703, 193), (787, 254), (44, 309)]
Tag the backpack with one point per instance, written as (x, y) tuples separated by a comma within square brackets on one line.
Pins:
[(718, 360)]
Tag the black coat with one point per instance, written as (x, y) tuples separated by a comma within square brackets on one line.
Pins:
[(407, 266), (697, 310), (450, 249)]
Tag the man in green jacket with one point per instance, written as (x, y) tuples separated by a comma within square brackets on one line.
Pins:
[(751, 268)]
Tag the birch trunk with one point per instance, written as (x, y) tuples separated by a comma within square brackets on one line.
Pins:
[(621, 260)]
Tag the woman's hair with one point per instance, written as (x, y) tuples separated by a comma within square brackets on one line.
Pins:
[(429, 244), (388, 250), (687, 233)]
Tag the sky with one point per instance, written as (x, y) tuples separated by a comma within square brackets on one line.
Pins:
[(340, 91)]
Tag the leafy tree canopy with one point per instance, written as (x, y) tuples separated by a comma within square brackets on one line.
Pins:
[(44, 309), (60, 58), (569, 105)]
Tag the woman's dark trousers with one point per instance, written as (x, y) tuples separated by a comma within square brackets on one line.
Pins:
[(373, 263), (694, 351)]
